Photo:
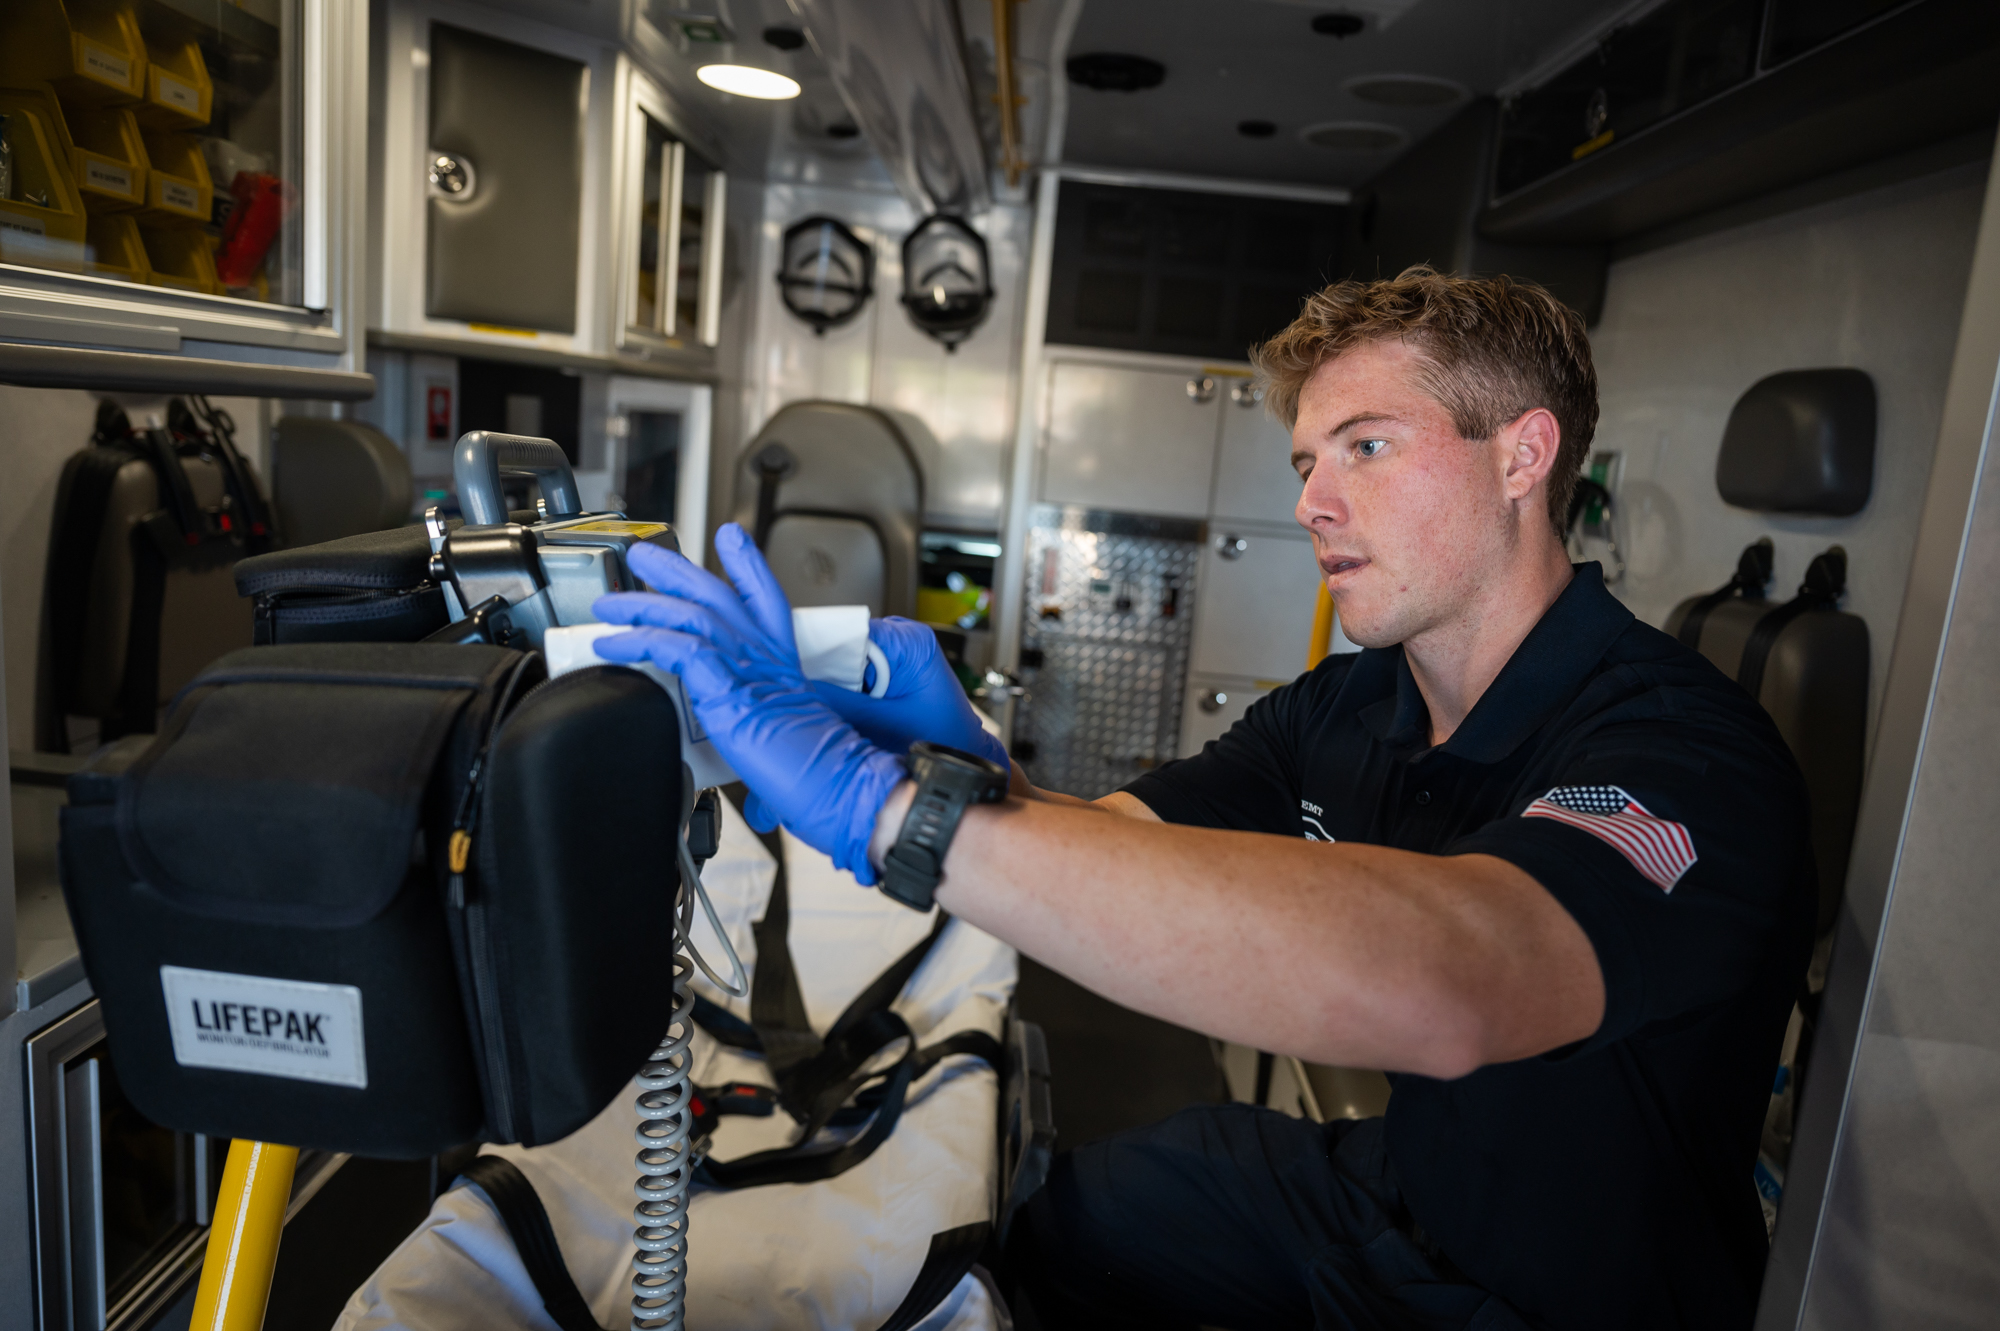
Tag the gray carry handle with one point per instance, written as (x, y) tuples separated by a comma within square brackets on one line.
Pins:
[(482, 457)]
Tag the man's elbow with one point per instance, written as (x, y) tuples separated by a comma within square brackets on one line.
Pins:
[(1446, 1043), (1471, 1030), (1456, 1046)]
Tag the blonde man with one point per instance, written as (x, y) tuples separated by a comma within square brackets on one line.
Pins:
[(1566, 904)]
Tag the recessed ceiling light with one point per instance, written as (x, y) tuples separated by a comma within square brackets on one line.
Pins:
[(1405, 90), (748, 81), (1354, 136)]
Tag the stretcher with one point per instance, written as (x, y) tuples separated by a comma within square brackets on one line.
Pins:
[(859, 1250)]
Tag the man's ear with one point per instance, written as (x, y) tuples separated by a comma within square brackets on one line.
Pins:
[(1531, 443)]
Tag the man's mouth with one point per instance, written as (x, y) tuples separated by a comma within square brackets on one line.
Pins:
[(1337, 565)]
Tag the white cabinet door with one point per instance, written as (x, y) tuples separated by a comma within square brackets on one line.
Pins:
[(1254, 608), (1133, 441), (1211, 707), (1253, 466)]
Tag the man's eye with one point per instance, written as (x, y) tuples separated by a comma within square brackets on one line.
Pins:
[(1368, 448)]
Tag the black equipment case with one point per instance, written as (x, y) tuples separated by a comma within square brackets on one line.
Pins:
[(367, 897), (138, 593), (373, 587)]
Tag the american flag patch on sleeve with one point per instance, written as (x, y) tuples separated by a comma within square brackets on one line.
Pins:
[(1660, 850)]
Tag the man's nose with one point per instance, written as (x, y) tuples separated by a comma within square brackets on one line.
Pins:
[(1323, 498)]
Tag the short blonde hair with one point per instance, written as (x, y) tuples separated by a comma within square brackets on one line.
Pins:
[(1491, 349)]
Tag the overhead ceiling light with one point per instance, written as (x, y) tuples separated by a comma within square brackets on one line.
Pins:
[(1405, 90), (1354, 136), (748, 81)]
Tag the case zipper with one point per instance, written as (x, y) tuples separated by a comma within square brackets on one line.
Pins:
[(475, 911)]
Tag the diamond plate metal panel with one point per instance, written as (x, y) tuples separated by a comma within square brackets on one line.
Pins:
[(1110, 614)]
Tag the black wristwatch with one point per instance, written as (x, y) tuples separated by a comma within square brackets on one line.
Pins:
[(949, 781)]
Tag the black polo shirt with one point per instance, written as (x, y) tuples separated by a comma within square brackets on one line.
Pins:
[(1607, 1183)]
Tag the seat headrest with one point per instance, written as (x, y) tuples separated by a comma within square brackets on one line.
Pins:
[(1802, 441)]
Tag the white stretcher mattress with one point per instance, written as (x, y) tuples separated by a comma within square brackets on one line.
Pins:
[(826, 1256)]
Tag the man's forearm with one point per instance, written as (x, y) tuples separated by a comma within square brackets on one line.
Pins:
[(1020, 787), (1350, 954)]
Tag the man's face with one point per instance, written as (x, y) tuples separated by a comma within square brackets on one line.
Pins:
[(1407, 518)]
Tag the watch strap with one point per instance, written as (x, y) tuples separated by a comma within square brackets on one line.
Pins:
[(948, 783)]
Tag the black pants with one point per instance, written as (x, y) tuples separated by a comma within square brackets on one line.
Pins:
[(1240, 1217)]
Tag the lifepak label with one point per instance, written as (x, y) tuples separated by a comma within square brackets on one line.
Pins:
[(267, 1026)]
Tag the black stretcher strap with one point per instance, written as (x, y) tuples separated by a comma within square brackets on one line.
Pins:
[(821, 1082), (777, 1007), (527, 1222), (951, 1255), (1753, 574)]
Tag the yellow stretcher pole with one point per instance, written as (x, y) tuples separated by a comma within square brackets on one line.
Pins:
[(243, 1241), (1322, 637)]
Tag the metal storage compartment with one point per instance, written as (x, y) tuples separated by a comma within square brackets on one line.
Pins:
[(1258, 589), (1253, 461), (504, 216), (1128, 439)]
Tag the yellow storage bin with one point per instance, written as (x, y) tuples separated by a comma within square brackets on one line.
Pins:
[(178, 190), (179, 94), (101, 145), (90, 50), (181, 259), (116, 249), (48, 236), (107, 157)]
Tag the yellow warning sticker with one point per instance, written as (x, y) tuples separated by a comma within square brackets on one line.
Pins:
[(639, 529)]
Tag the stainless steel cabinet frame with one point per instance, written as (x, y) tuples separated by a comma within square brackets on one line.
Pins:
[(326, 46), (120, 1207), (671, 202), (402, 190), (66, 1087)]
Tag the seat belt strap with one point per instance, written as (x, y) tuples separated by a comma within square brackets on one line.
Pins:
[(949, 1258), (527, 1221), (817, 1078), (777, 1008), (1752, 576), (1826, 582), (952, 1253), (801, 1162)]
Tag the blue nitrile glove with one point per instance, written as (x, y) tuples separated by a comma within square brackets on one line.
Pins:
[(734, 652), (924, 701)]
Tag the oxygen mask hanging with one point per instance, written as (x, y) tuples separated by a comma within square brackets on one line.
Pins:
[(825, 273), (947, 285)]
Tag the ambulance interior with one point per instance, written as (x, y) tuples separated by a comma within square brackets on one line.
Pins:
[(949, 303)]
